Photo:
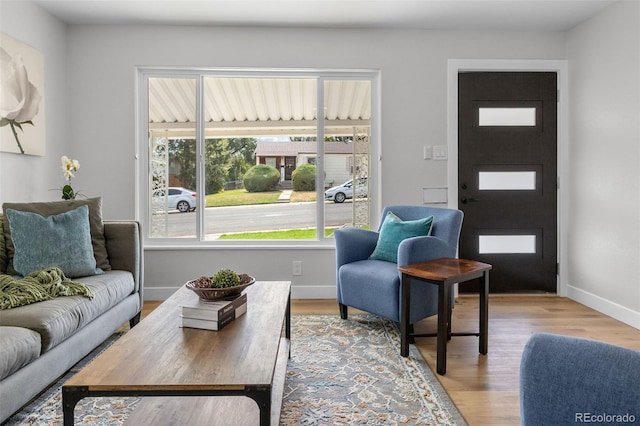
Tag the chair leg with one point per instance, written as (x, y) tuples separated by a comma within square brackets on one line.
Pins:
[(343, 311)]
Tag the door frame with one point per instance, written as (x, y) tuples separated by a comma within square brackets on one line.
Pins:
[(561, 67)]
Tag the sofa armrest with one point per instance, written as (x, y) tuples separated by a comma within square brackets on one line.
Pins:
[(124, 247)]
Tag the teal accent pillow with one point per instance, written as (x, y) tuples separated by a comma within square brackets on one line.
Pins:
[(49, 208), (394, 230), (62, 240)]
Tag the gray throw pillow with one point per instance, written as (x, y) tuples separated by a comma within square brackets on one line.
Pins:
[(3, 250)]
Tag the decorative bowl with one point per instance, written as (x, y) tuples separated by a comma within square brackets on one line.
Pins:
[(212, 293)]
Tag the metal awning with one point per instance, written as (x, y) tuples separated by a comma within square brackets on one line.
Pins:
[(254, 107)]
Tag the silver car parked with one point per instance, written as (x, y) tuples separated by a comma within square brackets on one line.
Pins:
[(339, 193), (184, 200)]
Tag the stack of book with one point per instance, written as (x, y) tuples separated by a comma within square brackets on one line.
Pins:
[(213, 315)]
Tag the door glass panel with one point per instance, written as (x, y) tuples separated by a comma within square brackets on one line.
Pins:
[(507, 180), (507, 116), (507, 244)]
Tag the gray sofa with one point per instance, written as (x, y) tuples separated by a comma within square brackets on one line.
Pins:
[(39, 342)]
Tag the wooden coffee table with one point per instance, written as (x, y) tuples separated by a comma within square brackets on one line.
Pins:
[(158, 358)]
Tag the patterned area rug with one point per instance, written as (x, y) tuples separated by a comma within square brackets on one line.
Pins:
[(340, 373)]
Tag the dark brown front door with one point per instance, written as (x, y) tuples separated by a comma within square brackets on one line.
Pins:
[(289, 167), (507, 151)]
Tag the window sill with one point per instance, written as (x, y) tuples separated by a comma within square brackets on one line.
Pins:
[(241, 245)]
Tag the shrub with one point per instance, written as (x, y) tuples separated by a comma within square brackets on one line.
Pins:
[(261, 178), (304, 178)]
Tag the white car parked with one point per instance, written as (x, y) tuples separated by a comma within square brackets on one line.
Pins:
[(181, 199), (339, 193)]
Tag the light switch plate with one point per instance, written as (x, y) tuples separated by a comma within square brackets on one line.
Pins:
[(427, 152), (440, 152)]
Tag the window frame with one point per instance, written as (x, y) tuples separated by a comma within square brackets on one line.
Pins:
[(143, 74)]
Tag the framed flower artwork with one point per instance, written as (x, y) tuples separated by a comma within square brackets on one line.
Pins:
[(22, 119)]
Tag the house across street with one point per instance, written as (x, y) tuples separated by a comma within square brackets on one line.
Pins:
[(286, 156)]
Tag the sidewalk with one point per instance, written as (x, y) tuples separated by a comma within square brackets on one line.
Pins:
[(285, 196)]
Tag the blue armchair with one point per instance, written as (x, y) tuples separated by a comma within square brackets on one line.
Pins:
[(374, 285), (566, 380)]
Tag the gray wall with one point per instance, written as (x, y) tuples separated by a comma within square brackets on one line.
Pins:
[(604, 175), (25, 177), (90, 82)]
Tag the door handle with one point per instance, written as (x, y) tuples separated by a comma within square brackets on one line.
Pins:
[(468, 200)]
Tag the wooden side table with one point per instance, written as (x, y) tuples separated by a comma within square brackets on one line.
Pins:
[(444, 273)]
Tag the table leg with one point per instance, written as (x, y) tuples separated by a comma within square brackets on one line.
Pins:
[(262, 397), (265, 413), (70, 397), (405, 301), (484, 314), (444, 306), (287, 316), (287, 323), (449, 309)]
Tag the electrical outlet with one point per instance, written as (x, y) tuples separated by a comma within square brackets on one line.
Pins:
[(297, 268)]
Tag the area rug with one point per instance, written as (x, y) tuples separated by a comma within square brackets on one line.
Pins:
[(341, 372)]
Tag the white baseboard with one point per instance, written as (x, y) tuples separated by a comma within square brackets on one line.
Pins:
[(297, 292), (313, 292), (159, 293), (614, 310)]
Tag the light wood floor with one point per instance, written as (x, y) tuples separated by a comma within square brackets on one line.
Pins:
[(485, 387)]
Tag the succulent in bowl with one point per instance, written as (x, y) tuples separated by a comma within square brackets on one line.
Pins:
[(224, 278)]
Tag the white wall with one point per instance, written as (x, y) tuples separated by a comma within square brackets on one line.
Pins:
[(604, 217), (27, 177)]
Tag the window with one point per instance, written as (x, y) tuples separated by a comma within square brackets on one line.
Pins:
[(516, 180), (507, 116), (518, 244), (235, 144)]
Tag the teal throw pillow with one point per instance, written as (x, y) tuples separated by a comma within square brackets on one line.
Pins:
[(394, 230), (62, 240)]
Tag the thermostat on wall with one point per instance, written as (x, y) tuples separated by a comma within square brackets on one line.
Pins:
[(434, 195)]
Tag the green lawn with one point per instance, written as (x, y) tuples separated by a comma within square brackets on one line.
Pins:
[(290, 234), (240, 197)]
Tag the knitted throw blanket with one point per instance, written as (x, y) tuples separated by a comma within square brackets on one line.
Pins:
[(40, 285)]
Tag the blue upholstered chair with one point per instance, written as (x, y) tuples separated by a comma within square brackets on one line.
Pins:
[(374, 285), (566, 380)]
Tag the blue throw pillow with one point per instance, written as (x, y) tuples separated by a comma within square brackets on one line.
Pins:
[(394, 230), (62, 240)]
